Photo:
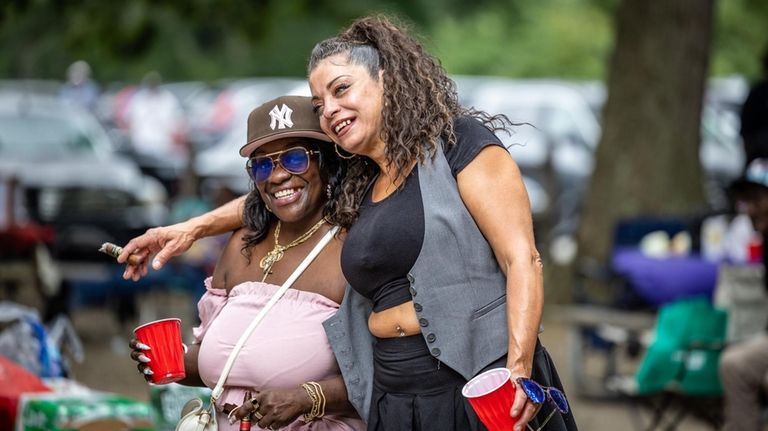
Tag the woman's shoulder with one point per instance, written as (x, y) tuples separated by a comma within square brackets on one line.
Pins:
[(231, 258), (469, 130), (471, 137)]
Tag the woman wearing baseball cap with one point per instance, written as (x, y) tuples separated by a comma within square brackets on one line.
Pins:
[(286, 376)]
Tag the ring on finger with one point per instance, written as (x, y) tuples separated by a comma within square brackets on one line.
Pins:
[(257, 415)]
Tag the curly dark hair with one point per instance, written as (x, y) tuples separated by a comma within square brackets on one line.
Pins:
[(420, 101), (257, 219)]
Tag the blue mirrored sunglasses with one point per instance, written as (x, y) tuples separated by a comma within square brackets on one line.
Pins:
[(294, 160), (539, 394)]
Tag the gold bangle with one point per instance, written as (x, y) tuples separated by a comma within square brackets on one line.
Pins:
[(319, 388), (316, 395)]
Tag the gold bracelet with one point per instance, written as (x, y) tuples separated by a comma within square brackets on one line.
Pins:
[(322, 399), (316, 395)]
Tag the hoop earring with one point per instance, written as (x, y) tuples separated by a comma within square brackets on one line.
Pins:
[(328, 191), (336, 148)]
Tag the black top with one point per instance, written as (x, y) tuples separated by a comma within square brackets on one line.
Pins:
[(385, 241)]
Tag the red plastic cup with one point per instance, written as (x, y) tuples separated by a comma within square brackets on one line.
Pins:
[(491, 395), (166, 352)]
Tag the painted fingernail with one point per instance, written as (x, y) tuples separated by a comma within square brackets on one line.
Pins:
[(148, 372), (143, 359), (142, 346)]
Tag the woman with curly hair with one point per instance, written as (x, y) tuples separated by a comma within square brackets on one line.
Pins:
[(440, 238)]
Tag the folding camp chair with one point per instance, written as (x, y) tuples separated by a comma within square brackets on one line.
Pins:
[(678, 375), (607, 333)]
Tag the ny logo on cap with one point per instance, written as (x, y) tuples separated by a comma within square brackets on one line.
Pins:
[(281, 118)]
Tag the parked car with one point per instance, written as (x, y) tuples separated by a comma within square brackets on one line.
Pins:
[(72, 177), (553, 142)]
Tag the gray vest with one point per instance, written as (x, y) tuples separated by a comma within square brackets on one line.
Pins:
[(458, 290)]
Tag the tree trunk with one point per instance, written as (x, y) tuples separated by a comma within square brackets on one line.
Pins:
[(648, 156)]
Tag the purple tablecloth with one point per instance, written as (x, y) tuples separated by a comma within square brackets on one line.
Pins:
[(661, 280)]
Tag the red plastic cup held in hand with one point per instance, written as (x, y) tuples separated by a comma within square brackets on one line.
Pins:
[(491, 395), (166, 352)]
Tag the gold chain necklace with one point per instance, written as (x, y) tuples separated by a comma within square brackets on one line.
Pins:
[(276, 254)]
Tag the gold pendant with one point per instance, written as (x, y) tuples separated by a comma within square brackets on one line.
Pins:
[(270, 258)]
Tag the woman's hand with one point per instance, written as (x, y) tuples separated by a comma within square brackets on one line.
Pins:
[(523, 409), (173, 240), (164, 241), (275, 409), (137, 354)]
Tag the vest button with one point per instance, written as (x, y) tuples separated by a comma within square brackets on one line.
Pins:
[(413, 291), (431, 337), (423, 322), (417, 307), (410, 278), (435, 352)]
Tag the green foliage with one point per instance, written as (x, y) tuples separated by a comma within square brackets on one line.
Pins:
[(212, 39), (547, 38), (740, 37)]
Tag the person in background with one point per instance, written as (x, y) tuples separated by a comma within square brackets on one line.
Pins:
[(80, 90), (744, 365), (157, 131), (754, 116), (287, 363)]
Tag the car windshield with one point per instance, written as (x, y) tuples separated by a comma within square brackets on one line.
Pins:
[(33, 136)]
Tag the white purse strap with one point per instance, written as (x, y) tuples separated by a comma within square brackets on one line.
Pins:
[(216, 393)]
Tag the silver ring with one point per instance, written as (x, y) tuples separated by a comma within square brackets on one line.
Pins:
[(257, 415)]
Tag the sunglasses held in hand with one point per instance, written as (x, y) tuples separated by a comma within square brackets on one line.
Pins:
[(538, 394), (294, 160)]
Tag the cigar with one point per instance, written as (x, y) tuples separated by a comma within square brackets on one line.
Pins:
[(114, 250)]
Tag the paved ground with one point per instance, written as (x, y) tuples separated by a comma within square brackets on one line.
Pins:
[(108, 368)]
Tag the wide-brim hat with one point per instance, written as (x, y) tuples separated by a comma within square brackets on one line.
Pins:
[(284, 117)]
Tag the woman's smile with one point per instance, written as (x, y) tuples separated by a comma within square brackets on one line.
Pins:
[(292, 197)]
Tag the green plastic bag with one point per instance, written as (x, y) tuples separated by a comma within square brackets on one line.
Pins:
[(685, 353)]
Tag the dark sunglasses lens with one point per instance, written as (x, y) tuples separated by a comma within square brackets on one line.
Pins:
[(261, 169), (295, 161), (559, 399), (534, 391)]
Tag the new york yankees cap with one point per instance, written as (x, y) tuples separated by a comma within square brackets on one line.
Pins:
[(283, 117)]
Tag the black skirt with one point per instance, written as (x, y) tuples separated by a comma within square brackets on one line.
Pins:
[(413, 391)]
